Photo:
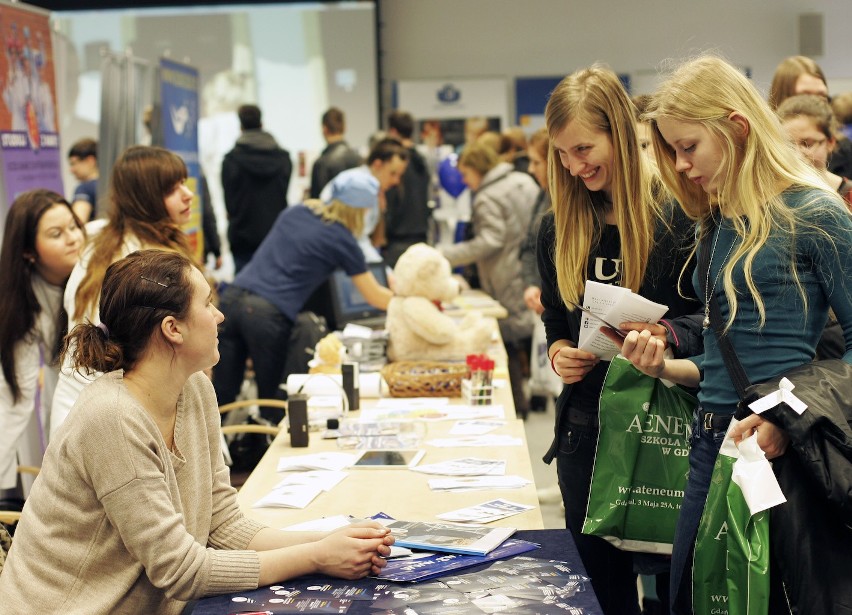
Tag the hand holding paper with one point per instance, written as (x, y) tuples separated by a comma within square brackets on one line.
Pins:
[(609, 306), (772, 439), (753, 473)]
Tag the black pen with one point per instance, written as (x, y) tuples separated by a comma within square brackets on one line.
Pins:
[(620, 333)]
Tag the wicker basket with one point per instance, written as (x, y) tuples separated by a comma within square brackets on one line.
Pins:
[(424, 378)]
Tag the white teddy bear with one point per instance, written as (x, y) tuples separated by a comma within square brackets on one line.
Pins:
[(417, 328)]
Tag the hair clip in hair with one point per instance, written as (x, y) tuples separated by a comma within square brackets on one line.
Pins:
[(154, 281), (104, 329)]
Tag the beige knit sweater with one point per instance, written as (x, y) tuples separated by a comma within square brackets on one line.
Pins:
[(116, 523)]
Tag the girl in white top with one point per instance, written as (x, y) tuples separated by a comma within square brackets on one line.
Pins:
[(41, 245), (149, 202)]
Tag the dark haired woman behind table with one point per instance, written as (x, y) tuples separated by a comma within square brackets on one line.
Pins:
[(133, 511)]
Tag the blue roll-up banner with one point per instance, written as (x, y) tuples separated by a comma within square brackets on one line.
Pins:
[(179, 98)]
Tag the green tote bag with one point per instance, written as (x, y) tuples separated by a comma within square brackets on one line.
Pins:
[(641, 461)]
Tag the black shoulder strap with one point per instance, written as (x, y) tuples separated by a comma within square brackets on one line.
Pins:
[(732, 362)]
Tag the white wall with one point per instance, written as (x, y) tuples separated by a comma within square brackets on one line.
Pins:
[(434, 39)]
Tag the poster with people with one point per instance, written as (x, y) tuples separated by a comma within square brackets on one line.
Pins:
[(179, 104), (29, 142)]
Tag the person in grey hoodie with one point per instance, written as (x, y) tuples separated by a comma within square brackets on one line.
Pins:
[(255, 178)]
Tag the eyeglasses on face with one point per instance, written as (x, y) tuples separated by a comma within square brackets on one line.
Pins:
[(811, 144)]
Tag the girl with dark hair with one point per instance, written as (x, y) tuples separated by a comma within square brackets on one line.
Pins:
[(149, 201), (133, 510), (41, 245)]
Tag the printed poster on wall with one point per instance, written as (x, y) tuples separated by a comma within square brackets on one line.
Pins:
[(179, 98), (29, 143), (531, 95), (449, 110)]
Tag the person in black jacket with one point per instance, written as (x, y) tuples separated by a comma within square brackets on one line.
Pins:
[(209, 227), (337, 156), (815, 476), (255, 178), (407, 212)]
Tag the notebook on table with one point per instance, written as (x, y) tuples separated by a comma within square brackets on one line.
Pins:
[(348, 303)]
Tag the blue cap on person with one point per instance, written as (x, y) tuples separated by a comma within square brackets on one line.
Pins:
[(356, 188)]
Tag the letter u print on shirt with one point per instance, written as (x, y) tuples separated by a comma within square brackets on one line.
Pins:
[(607, 269)]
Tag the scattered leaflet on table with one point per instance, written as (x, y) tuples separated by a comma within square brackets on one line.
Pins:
[(392, 412), (288, 496), (485, 512), (466, 466), (316, 461), (490, 440), (478, 483), (324, 479), (475, 427)]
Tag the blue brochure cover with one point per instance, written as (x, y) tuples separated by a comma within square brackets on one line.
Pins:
[(439, 564), (446, 537)]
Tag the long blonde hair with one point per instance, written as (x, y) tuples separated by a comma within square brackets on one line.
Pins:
[(595, 97), (756, 167), (337, 211)]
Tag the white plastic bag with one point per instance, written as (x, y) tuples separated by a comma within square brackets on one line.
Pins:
[(543, 380)]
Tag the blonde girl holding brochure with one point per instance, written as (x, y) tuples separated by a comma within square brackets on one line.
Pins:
[(780, 254), (611, 223), (133, 511)]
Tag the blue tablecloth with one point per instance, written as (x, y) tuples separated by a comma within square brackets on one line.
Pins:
[(555, 545)]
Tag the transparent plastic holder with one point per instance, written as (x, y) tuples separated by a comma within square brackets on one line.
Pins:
[(477, 393)]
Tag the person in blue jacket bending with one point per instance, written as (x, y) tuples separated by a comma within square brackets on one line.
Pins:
[(305, 245)]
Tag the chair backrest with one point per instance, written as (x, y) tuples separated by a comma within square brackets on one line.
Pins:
[(247, 428), (12, 513), (5, 545), (244, 454), (246, 403), (10, 517)]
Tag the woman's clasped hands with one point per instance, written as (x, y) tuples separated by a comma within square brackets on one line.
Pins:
[(354, 551)]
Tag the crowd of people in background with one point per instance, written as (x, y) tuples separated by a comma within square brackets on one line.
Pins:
[(612, 189)]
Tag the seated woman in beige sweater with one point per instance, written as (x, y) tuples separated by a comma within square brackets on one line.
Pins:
[(133, 511)]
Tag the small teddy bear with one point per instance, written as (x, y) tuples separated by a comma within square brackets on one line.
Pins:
[(329, 353), (417, 328)]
